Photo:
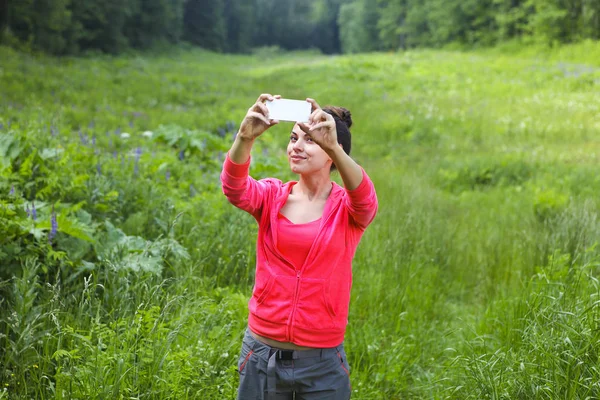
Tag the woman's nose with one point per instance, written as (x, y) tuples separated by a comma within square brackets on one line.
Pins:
[(297, 145)]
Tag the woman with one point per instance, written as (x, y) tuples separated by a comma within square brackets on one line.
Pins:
[(308, 232)]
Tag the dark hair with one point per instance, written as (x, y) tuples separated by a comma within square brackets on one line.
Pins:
[(343, 122)]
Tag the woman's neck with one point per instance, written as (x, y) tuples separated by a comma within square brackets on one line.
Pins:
[(314, 186)]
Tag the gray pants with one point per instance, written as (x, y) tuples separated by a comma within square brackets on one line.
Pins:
[(268, 373)]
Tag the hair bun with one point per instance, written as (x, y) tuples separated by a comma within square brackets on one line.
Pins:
[(342, 113)]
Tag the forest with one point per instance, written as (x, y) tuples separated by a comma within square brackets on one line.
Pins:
[(331, 26)]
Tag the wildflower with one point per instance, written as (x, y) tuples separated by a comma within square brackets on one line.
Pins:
[(131, 124), (27, 211), (125, 135), (230, 125), (33, 211), (53, 131), (1, 126), (234, 135), (54, 226), (94, 140), (12, 190), (181, 155), (82, 138), (118, 131), (99, 168), (138, 153), (222, 132), (147, 134), (91, 125), (168, 175), (115, 155)]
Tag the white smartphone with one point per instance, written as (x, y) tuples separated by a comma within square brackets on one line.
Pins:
[(289, 110)]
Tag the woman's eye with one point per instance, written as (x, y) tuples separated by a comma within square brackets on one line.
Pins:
[(292, 139)]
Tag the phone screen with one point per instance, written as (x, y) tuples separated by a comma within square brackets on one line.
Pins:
[(289, 110)]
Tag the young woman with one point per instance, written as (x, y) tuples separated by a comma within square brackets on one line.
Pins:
[(308, 232)]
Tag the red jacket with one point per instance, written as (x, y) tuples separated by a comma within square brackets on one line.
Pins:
[(308, 306)]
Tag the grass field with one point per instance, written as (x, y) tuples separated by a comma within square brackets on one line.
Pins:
[(477, 280)]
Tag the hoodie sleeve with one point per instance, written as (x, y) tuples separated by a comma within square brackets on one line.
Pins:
[(241, 189), (362, 202)]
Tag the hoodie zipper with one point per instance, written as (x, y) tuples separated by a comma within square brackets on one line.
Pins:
[(294, 306)]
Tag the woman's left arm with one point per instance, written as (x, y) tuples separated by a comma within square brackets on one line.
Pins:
[(350, 171), (362, 199)]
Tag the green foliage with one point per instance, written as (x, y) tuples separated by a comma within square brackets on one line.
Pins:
[(357, 22), (476, 280), (481, 174), (204, 24), (331, 26)]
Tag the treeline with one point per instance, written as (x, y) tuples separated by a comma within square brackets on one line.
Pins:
[(367, 25), (74, 26)]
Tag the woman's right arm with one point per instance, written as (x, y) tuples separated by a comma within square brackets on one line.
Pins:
[(241, 189)]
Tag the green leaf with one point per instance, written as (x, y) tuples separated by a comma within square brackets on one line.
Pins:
[(50, 153)]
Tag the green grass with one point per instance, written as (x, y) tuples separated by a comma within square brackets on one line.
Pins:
[(477, 280)]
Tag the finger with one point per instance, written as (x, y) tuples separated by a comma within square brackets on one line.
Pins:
[(315, 105), (305, 128), (277, 96), (255, 115), (263, 97), (317, 116), (320, 125), (261, 108), (312, 118)]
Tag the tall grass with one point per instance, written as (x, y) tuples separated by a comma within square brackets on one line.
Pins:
[(477, 280)]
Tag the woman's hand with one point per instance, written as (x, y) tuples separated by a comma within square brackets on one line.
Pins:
[(256, 122), (321, 127)]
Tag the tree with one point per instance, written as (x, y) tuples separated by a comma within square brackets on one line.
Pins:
[(390, 24), (325, 30), (239, 25), (154, 21), (51, 21), (101, 24), (548, 22), (357, 22), (204, 23), (511, 18)]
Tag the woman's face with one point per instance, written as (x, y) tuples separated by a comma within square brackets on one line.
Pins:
[(304, 155)]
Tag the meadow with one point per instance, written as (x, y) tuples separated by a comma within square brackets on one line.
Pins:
[(477, 280)]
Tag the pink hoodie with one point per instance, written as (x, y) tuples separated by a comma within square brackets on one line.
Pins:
[(308, 306)]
